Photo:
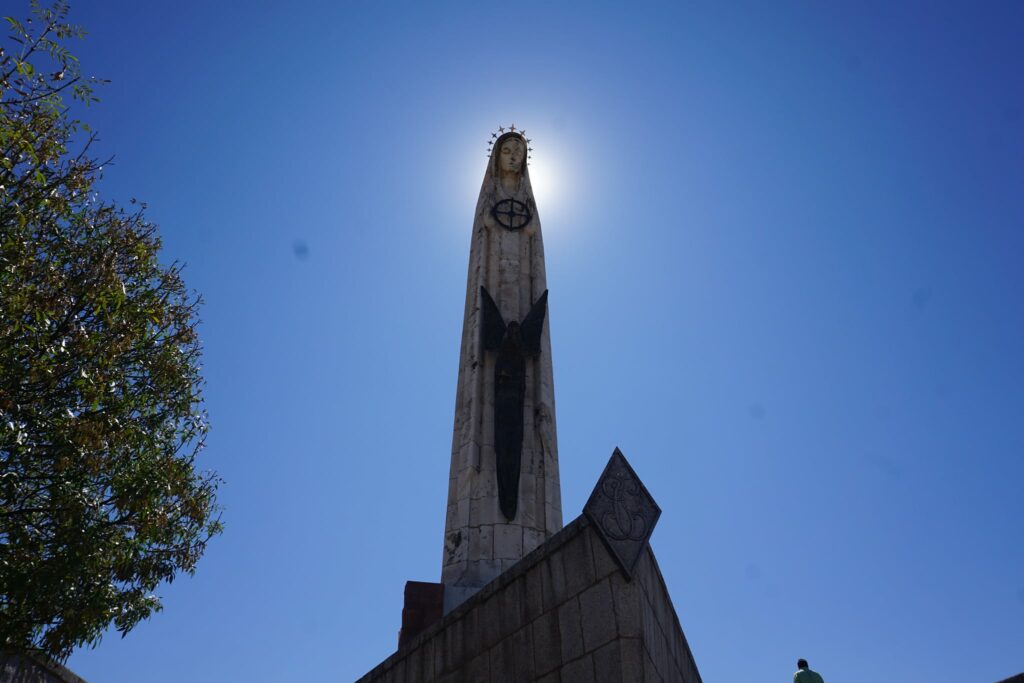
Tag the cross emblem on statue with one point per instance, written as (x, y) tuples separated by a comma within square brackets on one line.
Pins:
[(511, 214)]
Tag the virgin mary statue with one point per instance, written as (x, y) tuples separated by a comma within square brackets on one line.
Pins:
[(500, 509)]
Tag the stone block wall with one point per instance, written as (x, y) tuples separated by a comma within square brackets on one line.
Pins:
[(564, 613), (22, 669)]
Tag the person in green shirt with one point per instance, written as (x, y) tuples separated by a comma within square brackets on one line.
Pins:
[(805, 675)]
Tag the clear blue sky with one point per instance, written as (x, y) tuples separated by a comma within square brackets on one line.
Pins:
[(785, 246)]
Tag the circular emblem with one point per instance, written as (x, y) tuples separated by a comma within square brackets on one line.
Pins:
[(511, 214)]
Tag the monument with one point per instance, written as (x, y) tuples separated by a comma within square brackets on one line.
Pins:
[(503, 493), (521, 597)]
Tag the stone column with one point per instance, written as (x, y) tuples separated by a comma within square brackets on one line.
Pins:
[(507, 259)]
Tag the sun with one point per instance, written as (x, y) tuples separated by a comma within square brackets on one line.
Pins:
[(544, 181)]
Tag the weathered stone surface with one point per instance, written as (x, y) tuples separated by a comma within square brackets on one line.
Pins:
[(506, 631), (479, 668), (25, 669), (397, 672), (553, 574), (413, 666), (547, 642), (597, 612), (608, 663), (577, 555), (501, 663), (511, 606), (623, 512), (628, 601), (453, 651), (651, 674), (481, 543), (472, 634), (440, 655), (430, 672), (579, 671), (490, 622), (604, 562), (571, 630), (508, 541), (483, 511), (632, 652), (531, 539), (522, 654), (533, 586)]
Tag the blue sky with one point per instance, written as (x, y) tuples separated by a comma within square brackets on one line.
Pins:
[(784, 248)]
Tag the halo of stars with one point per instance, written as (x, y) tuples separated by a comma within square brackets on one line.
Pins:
[(511, 129)]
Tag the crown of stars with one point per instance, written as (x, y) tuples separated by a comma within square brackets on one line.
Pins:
[(511, 129)]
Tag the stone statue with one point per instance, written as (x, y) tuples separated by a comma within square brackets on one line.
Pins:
[(504, 497), (511, 206)]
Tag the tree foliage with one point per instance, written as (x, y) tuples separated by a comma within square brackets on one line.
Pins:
[(101, 414)]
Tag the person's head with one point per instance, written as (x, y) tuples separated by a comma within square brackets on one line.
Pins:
[(511, 154), (801, 663), (507, 166)]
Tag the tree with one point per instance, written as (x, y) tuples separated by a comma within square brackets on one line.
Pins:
[(101, 414)]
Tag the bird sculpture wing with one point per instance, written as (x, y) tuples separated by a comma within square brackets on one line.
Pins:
[(493, 326), (533, 325)]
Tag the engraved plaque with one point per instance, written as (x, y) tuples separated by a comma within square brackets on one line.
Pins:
[(623, 512)]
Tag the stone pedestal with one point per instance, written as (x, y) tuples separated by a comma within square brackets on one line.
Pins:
[(566, 612)]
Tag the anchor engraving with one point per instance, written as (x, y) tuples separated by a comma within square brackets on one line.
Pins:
[(622, 523)]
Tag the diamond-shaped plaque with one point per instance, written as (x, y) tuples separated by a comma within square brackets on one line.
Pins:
[(623, 511)]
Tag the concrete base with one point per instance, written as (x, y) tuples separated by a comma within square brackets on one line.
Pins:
[(16, 668), (566, 612)]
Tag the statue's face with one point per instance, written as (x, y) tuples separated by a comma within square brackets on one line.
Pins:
[(510, 156)]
